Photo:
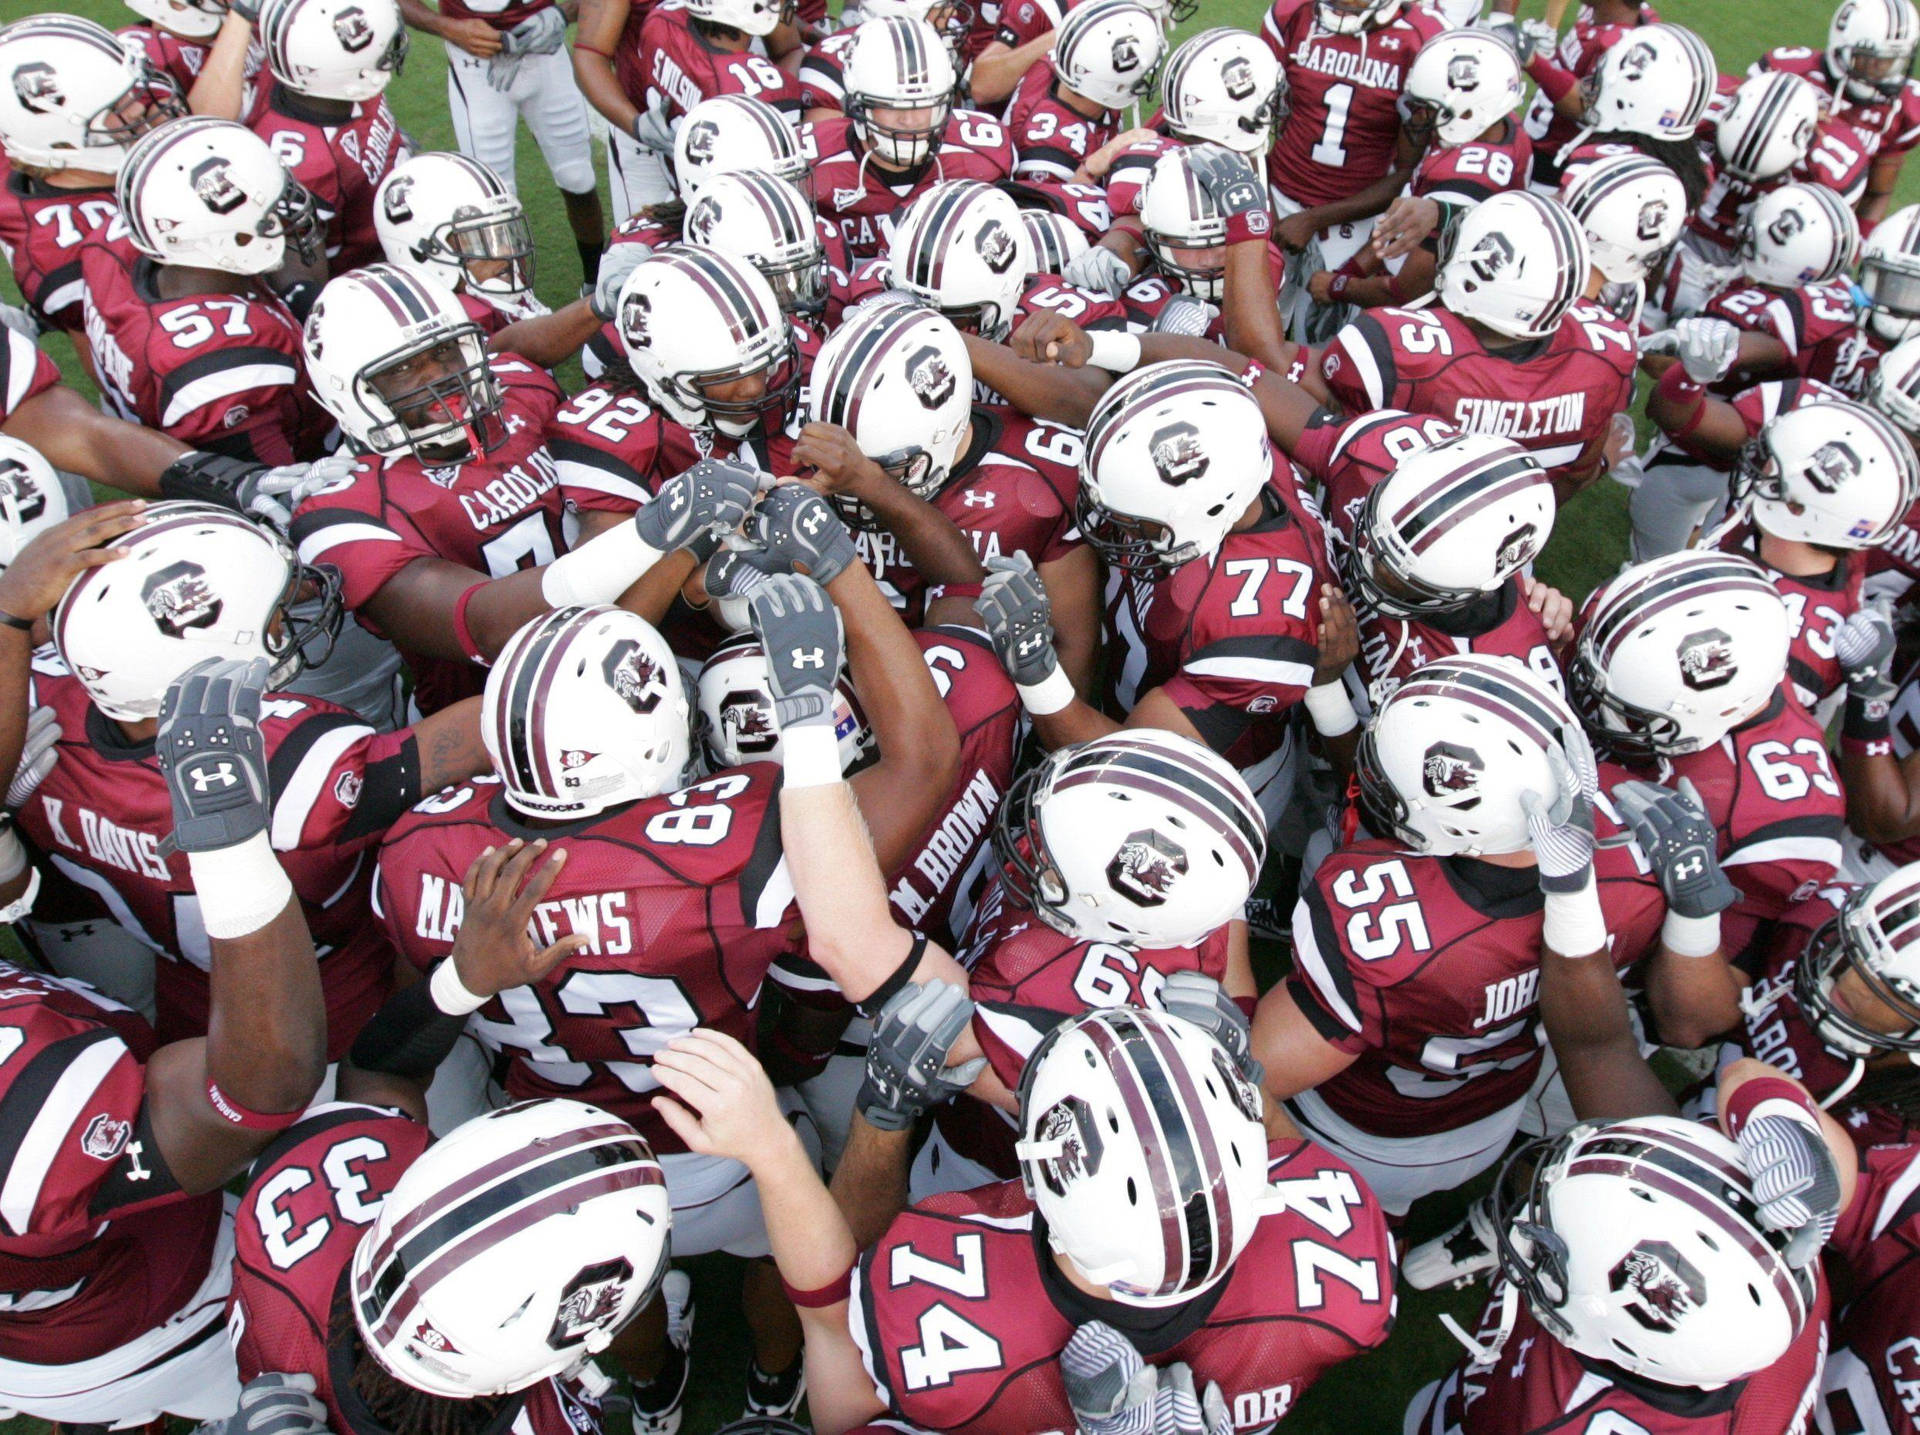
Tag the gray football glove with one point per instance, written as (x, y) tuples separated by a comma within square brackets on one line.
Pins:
[(1672, 830), (799, 630), (1562, 829), (796, 525), (37, 756), (1865, 644), (1705, 347), (1795, 1180), (616, 263), (541, 33), (1019, 620), (212, 755), (695, 509), (907, 1071), (275, 1403), (1198, 998), (1110, 1388), (1178, 1409), (1186, 316), (1100, 270)]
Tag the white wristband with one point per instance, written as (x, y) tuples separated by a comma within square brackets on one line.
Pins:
[(1572, 923), (1114, 351), (241, 888), (599, 570), (810, 756), (13, 861), (449, 993), (1691, 936), (1049, 695), (1331, 709)]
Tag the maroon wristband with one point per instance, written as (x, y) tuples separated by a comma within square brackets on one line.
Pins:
[(233, 1113), (832, 1293), (1246, 1005), (462, 634), (1337, 286), (1741, 1105), (1249, 224), (1866, 746)]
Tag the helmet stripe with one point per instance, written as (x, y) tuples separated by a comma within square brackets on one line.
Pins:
[(1151, 1115), (1462, 495), (1645, 596), (1209, 1210)]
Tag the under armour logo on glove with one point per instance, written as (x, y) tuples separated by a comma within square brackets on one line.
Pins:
[(809, 658), (205, 779)]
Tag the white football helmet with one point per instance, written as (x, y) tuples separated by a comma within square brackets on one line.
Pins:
[(32, 498), (960, 248), (1639, 1243), (1515, 262), (1461, 84), (694, 318), (1449, 524), (953, 19), (1446, 761), (397, 361), (584, 710), (514, 1249), (729, 133), (1797, 234), (189, 19), (899, 83), (1890, 276), (333, 49), (211, 194), (1055, 240), (1631, 208), (1894, 389), (749, 17), (1141, 837), (198, 582), (449, 219), (1657, 80), (1224, 85), (1674, 653), (1175, 453), (1872, 937), (898, 378), (1767, 126), (1109, 51), (1184, 229), (767, 222), (1870, 45), (734, 715), (1838, 474), (1350, 17), (72, 96), (1141, 1147)]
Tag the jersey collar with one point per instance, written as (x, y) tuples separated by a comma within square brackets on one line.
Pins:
[(1151, 1330)]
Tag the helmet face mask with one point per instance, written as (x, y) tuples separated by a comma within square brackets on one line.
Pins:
[(495, 251), (442, 396), (897, 134), (1350, 17), (1870, 47), (1848, 980)]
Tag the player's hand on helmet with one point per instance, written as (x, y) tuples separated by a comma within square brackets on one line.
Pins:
[(541, 33), (39, 576), (1407, 221), (494, 950), (1706, 348), (907, 1073), (1014, 607), (1236, 188), (616, 263), (1045, 337), (799, 631), (38, 755), (837, 464), (277, 1403), (1795, 1179), (799, 530), (1560, 824), (212, 755), (1679, 842), (1179, 1409), (1198, 998), (1864, 645), (695, 509), (1551, 606), (1099, 270), (20, 320), (719, 1099), (276, 493), (1110, 1388)]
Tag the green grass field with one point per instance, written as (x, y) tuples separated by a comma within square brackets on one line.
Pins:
[(1367, 1396)]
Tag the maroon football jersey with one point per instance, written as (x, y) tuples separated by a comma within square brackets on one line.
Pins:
[(1052, 139), (1085, 205), (1344, 90), (1872, 1382), (961, 1314), (1024, 978), (1479, 169), (681, 67), (97, 1244), (1838, 159), (1427, 969), (1579, 53), (496, 515), (684, 900), (865, 202), (99, 817), (179, 59), (1756, 406), (341, 162), (936, 890), (24, 372), (501, 14), (310, 1198), (823, 71), (1816, 606), (1127, 176), (1818, 324), (217, 371), (1554, 396), (1769, 787), (1539, 1387), (41, 233), (1776, 1030), (1890, 126), (1025, 20), (1905, 722)]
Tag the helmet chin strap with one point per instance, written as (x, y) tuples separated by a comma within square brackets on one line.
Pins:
[(1859, 1069), (1484, 1355)]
